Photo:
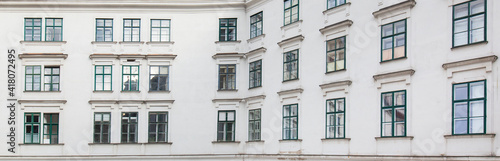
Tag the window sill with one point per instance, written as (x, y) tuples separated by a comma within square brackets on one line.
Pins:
[(333, 9), (392, 60), (227, 90), (294, 140), (160, 42), (255, 141), (164, 143), (336, 71), (24, 144), (41, 91), (336, 139), (229, 42), (255, 87), (230, 142), (166, 91), (291, 24), (42, 42), (469, 136), (102, 91), (130, 91), (131, 42), (103, 42), (473, 44), (394, 138), (290, 80), (256, 37)]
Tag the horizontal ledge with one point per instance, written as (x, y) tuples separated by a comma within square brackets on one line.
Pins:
[(395, 138), (470, 136), (169, 56), (289, 40), (159, 91), (256, 37), (131, 42), (336, 7), (291, 140), (91, 56), (336, 139), (394, 74), (131, 56), (228, 42), (228, 100), (41, 91), (291, 24), (160, 42), (42, 42), (336, 26), (43, 55), (228, 55), (297, 90), (223, 142), (122, 5), (129, 101), (255, 51), (104, 42), (255, 97), (335, 84), (491, 58), (60, 144), (167, 143), (42, 101), (102, 91), (407, 3), (130, 91), (471, 44), (255, 141)]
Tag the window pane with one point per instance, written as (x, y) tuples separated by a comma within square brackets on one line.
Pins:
[(460, 110), (387, 100), (400, 26), (461, 10), (387, 115), (477, 90), (387, 30), (476, 125), (460, 126), (399, 129), (387, 129), (476, 6), (400, 114), (460, 91), (400, 98), (476, 109), (340, 105), (230, 116)]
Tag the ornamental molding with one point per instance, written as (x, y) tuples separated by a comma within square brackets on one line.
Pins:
[(393, 77), (335, 86), (234, 102), (392, 8), (290, 40), (43, 55), (491, 58), (336, 26), (255, 51), (485, 63), (290, 94), (255, 101), (228, 55)]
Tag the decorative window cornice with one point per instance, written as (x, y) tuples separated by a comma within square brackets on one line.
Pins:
[(345, 23), (228, 55), (394, 74), (491, 58), (404, 4), (292, 39), (43, 55)]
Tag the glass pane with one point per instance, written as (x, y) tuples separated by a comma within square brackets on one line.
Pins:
[(399, 129), (340, 43), (460, 38), (98, 117), (294, 109), (477, 35), (460, 110), (400, 27), (339, 120), (330, 45), (340, 131), (155, 23), (460, 126), (400, 114), (461, 10), (330, 106), (386, 129), (476, 22), (387, 100), (476, 109), (135, 23), (340, 105), (106, 117), (230, 116), (476, 6), (222, 116), (163, 69), (477, 90), (460, 91), (400, 98), (58, 22), (387, 115), (387, 30), (476, 125)]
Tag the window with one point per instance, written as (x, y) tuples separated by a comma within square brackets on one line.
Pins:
[(394, 114), (158, 126), (130, 77), (51, 82), (32, 128), (469, 22), (394, 40), (53, 29), (32, 29), (254, 125), (160, 30), (33, 78), (103, 78), (225, 126), (291, 11), (227, 29), (469, 108), (291, 65), (334, 3), (335, 118), (256, 25), (158, 78), (290, 122), (335, 54), (131, 30), (227, 77), (129, 127), (104, 30), (255, 74), (102, 127)]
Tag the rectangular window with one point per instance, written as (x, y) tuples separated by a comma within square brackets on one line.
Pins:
[(334, 3), (291, 65), (335, 54), (469, 22), (291, 11), (225, 126), (158, 127), (33, 78), (53, 29), (50, 128), (393, 114), (104, 30), (469, 108), (129, 127), (256, 25), (290, 122), (255, 74), (227, 77), (394, 40), (51, 82), (102, 127), (131, 30), (160, 30), (130, 78), (254, 125), (32, 29), (335, 118), (227, 29), (31, 128), (158, 78), (103, 78)]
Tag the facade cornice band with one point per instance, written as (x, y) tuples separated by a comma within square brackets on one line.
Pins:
[(284, 92), (228, 55), (491, 58), (42, 101), (255, 97), (335, 84), (255, 51), (337, 25), (295, 38), (122, 4), (407, 3), (43, 55), (228, 100), (92, 56), (394, 74)]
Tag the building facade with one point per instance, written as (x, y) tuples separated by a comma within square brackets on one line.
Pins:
[(250, 80)]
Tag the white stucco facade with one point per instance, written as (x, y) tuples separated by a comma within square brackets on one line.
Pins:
[(427, 73)]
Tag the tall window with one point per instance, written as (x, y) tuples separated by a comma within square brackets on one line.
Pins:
[(225, 126), (469, 108), (160, 30), (469, 22), (158, 78), (102, 127), (290, 122), (131, 30), (394, 40), (31, 128), (129, 127), (334, 3), (394, 114), (254, 125), (51, 82), (227, 77), (33, 78), (335, 54), (32, 29), (53, 29), (291, 65), (227, 29), (104, 30), (130, 78), (255, 74), (103, 78), (256, 25), (158, 126), (291, 11), (50, 128), (335, 118)]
